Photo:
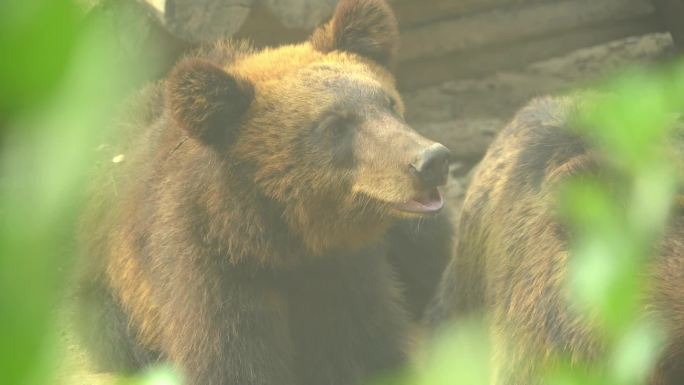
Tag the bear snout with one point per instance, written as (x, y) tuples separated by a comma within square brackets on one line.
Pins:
[(430, 167)]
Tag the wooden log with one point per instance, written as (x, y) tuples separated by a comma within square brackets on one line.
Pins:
[(412, 13), (475, 62), (507, 25)]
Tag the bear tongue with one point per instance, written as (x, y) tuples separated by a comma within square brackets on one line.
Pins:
[(431, 200), (427, 202)]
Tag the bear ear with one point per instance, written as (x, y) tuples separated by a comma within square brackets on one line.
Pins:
[(365, 27), (207, 101)]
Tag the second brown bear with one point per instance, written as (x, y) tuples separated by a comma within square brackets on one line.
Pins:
[(512, 254)]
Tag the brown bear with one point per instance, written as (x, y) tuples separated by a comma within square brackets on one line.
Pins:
[(243, 233), (512, 253)]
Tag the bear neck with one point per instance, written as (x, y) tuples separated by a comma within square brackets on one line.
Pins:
[(324, 227), (259, 228)]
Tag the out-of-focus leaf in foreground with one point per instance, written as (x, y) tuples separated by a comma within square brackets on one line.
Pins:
[(59, 84), (38, 40), (163, 375), (619, 217)]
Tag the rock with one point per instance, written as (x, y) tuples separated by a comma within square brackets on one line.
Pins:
[(454, 194), (459, 169), (207, 20), (467, 139), (201, 20), (306, 14), (672, 12), (139, 43)]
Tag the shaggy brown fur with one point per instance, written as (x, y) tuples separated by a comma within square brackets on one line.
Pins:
[(511, 257), (243, 238)]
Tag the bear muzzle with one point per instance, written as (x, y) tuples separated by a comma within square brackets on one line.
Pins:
[(431, 166), (430, 169)]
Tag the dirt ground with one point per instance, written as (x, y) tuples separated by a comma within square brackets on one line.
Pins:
[(465, 115)]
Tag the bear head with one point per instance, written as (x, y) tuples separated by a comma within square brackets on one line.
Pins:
[(318, 128)]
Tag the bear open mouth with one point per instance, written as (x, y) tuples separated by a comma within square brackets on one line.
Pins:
[(429, 201)]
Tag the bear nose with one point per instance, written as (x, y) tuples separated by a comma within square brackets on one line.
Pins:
[(431, 166)]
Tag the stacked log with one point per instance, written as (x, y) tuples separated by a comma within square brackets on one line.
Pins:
[(441, 39), (470, 38)]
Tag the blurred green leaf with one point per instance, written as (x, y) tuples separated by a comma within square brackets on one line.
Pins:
[(58, 89), (458, 355), (37, 38), (163, 375), (635, 354), (618, 220)]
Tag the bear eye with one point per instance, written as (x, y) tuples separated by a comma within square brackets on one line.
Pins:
[(392, 103), (336, 125)]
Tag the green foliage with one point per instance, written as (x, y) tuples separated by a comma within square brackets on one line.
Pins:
[(58, 86), (157, 376), (459, 356), (38, 39), (617, 221)]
